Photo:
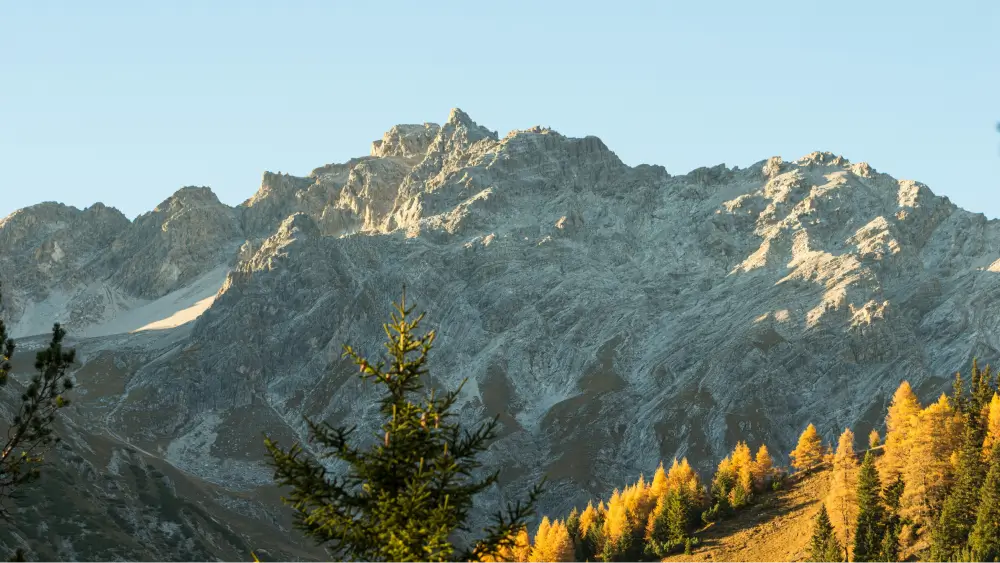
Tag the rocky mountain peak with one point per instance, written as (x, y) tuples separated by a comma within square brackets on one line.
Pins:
[(189, 196), (460, 132), (407, 141)]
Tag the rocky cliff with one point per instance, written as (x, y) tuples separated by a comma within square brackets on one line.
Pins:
[(612, 316)]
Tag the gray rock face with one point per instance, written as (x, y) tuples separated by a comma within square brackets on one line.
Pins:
[(188, 234), (611, 316)]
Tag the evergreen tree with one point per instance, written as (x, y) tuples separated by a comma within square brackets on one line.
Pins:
[(808, 453), (958, 514), (957, 396), (402, 499), (30, 431), (892, 494), (669, 525), (868, 535), (722, 484), (985, 538), (573, 528), (981, 388), (824, 545)]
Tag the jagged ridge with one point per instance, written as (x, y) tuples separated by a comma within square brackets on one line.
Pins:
[(612, 316)]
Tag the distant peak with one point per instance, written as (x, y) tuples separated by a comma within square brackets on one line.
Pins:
[(457, 116), (406, 140), (825, 158), (189, 195)]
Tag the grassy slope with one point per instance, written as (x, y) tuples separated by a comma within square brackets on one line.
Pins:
[(776, 528)]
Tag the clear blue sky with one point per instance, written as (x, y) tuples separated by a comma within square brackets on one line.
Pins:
[(125, 102)]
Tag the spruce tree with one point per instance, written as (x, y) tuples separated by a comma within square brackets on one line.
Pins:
[(893, 494), (402, 499), (824, 545), (670, 524), (30, 431), (870, 527), (958, 513), (573, 527), (985, 538)]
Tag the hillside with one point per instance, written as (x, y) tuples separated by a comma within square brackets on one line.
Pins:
[(612, 316), (777, 528)]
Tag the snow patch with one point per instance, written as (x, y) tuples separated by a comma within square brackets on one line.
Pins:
[(119, 313)]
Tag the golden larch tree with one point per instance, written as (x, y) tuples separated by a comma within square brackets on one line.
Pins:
[(992, 425), (763, 467), (638, 501), (552, 542), (898, 424), (687, 478), (743, 466), (519, 552), (658, 487), (874, 440), (588, 520), (540, 546), (808, 453), (683, 476), (841, 501), (616, 521), (929, 467)]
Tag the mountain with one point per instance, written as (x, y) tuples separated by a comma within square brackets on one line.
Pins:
[(612, 316)]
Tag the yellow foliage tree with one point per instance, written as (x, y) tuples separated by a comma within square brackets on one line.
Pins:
[(841, 501), (588, 518), (808, 453), (993, 424), (520, 552), (658, 487), (638, 502), (929, 466), (660, 508), (762, 468), (874, 440), (552, 542), (898, 424), (683, 477), (616, 521), (743, 466)]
